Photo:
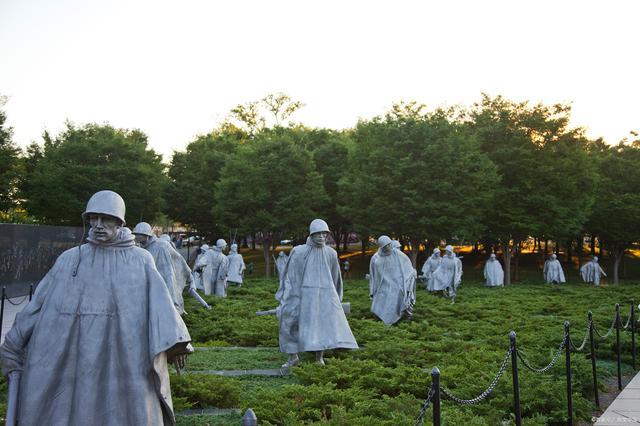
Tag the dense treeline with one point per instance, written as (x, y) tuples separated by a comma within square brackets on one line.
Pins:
[(497, 172)]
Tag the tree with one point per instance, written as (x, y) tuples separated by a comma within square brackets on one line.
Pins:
[(82, 160), (419, 176), (615, 220), (10, 164), (545, 176), (268, 112), (193, 174), (269, 186)]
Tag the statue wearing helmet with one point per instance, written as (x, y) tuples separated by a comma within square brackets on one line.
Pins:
[(311, 318), (104, 319), (448, 275), (214, 276), (236, 266), (392, 283), (162, 253)]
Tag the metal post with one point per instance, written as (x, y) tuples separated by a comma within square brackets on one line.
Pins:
[(435, 377), (4, 292), (30, 292), (514, 375), (633, 333), (593, 360), (567, 352), (618, 345)]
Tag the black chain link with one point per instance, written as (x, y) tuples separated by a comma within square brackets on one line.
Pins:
[(584, 341), (526, 363), (19, 303), (486, 392), (608, 333), (424, 408), (628, 319)]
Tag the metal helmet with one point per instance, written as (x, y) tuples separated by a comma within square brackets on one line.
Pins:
[(165, 237), (595, 258), (449, 248), (396, 244), (143, 228), (204, 247), (318, 225), (106, 202), (436, 250), (221, 243), (384, 241), (234, 247), (493, 256), (281, 254)]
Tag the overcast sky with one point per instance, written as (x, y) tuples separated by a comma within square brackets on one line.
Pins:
[(175, 69)]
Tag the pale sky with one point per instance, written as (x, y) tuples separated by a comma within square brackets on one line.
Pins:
[(175, 68)]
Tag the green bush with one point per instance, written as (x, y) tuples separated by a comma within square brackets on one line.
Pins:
[(201, 391)]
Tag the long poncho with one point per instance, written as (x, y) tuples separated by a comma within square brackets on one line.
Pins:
[(215, 274), (591, 272), (392, 282), (553, 271), (428, 269), (162, 253), (493, 273), (199, 268), (93, 348), (448, 274), (236, 267), (281, 261), (310, 313)]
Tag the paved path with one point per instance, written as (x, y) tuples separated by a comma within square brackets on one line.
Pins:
[(10, 312), (625, 409)]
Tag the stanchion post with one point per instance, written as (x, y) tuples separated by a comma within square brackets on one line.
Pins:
[(567, 348), (435, 383), (30, 292), (593, 360), (618, 345), (4, 295), (633, 333), (514, 375)]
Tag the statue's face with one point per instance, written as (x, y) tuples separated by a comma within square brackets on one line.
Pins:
[(142, 240), (105, 227), (387, 249), (319, 238)]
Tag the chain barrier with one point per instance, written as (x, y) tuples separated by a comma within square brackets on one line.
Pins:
[(424, 408), (584, 341), (548, 366), (608, 333), (486, 392), (19, 303)]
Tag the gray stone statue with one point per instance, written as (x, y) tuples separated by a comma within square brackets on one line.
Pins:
[(493, 273), (310, 314), (280, 262), (236, 266), (392, 283), (429, 268), (94, 344), (552, 271), (199, 267), (448, 275), (161, 251), (592, 271), (215, 274)]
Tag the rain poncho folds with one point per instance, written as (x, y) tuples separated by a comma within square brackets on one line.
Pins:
[(236, 267), (392, 282), (310, 313), (215, 274), (162, 253), (591, 272), (281, 261), (553, 271), (198, 270), (429, 267), (93, 349), (448, 275), (493, 273)]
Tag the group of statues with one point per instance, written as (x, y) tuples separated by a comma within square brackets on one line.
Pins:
[(94, 344)]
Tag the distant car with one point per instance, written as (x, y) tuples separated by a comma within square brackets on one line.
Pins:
[(286, 242)]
